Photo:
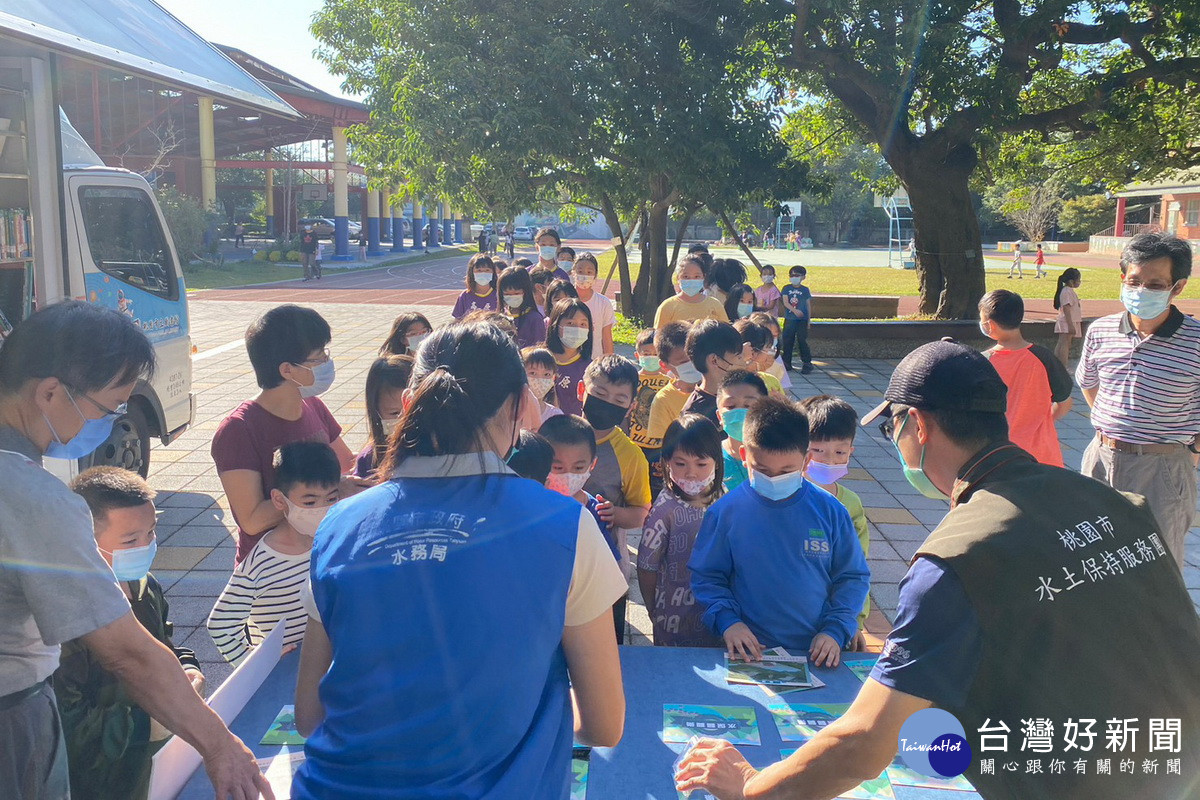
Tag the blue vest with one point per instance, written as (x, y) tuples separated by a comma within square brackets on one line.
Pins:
[(444, 600)]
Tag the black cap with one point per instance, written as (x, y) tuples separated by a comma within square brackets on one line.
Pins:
[(944, 376)]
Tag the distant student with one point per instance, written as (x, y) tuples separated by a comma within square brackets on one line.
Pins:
[(604, 316), (739, 304), (264, 590), (692, 456), (796, 306), (621, 474), (408, 331), (761, 354), (540, 277), (110, 739), (1070, 313), (766, 297), (832, 423), (777, 562), (541, 370), (671, 343), (715, 348), (548, 242), (1016, 260), (386, 381), (739, 391), (480, 294), (651, 378), (558, 290), (362, 244), (1039, 386), (1039, 262), (565, 260), (771, 323), (289, 350), (516, 289), (569, 338), (690, 303)]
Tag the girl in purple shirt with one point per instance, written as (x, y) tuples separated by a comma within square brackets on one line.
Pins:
[(516, 291), (569, 337), (480, 294)]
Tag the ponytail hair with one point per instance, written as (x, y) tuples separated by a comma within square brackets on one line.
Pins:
[(462, 376), (1068, 275)]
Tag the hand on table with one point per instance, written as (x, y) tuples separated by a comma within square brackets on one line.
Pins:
[(740, 641), (859, 643), (717, 767), (824, 651), (604, 510), (235, 774)]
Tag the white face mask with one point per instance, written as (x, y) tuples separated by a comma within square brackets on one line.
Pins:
[(695, 488), (414, 340), (547, 252), (567, 483), (688, 373), (389, 424), (483, 278), (573, 337), (565, 265), (541, 386), (305, 519)]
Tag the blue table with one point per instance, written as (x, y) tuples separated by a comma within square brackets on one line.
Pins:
[(640, 766)]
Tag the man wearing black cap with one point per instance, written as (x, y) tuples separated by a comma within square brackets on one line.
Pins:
[(1042, 596)]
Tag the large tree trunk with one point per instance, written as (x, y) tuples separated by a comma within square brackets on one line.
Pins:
[(946, 228), (658, 286), (622, 239), (687, 219), (737, 237)]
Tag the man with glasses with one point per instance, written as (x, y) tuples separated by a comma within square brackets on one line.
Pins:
[(1041, 595), (66, 374), (1140, 373)]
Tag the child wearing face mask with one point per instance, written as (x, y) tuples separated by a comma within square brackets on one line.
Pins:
[(408, 331), (265, 589), (691, 453), (604, 315), (651, 378), (778, 536), (739, 303), (516, 290), (564, 261), (691, 303), (797, 304), (766, 297), (386, 381), (740, 390), (832, 423), (541, 370), (480, 294), (569, 338), (775, 368), (110, 740)]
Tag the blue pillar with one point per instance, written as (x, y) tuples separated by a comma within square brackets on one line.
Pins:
[(341, 239), (447, 225), (458, 229), (372, 215), (418, 225), (397, 212)]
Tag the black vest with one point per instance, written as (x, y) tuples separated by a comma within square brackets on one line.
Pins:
[(1083, 615)]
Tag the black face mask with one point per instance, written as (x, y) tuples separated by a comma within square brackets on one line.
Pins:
[(602, 414)]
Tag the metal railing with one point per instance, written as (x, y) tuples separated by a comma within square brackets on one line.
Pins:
[(1131, 229)]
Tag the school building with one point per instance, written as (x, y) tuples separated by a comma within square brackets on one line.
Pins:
[(1171, 203)]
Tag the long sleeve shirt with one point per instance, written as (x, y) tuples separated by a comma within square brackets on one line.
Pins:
[(789, 569)]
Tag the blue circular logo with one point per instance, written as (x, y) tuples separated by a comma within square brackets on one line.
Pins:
[(933, 742)]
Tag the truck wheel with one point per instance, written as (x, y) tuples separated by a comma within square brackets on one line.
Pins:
[(128, 446)]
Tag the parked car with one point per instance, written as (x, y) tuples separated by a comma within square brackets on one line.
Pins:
[(523, 233), (323, 227)]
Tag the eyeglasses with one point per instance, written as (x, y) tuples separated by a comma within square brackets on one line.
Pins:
[(1153, 287), (888, 426), (324, 359), (109, 413)]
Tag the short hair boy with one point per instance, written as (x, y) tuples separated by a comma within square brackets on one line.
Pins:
[(651, 379), (1039, 386), (832, 423), (796, 301), (288, 348), (740, 390), (533, 457), (264, 589), (715, 348), (110, 739), (776, 562)]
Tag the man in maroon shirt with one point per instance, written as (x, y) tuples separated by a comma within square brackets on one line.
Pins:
[(288, 348)]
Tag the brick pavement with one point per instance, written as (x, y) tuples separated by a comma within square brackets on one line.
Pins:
[(195, 527)]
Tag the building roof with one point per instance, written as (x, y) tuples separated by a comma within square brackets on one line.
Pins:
[(141, 37), (1186, 180)]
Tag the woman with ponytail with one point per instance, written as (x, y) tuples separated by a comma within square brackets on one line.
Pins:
[(1070, 314), (458, 612)]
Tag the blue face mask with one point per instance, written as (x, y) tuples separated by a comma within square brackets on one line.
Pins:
[(94, 433), (733, 421), (1145, 303), (134, 563), (744, 309), (780, 487), (323, 375), (692, 286), (916, 475)]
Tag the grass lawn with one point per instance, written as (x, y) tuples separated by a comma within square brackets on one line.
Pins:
[(248, 273)]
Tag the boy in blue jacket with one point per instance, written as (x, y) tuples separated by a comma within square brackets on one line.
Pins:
[(777, 561)]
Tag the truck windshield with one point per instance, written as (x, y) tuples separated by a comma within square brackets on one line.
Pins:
[(126, 239)]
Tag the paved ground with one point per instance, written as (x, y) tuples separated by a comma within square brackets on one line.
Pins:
[(195, 527)]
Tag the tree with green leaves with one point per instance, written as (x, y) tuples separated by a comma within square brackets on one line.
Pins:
[(637, 111), (930, 83), (1086, 215)]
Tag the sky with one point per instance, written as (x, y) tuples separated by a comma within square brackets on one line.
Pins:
[(275, 31)]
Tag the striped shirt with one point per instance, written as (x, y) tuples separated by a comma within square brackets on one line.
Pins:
[(1147, 390), (263, 590)]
